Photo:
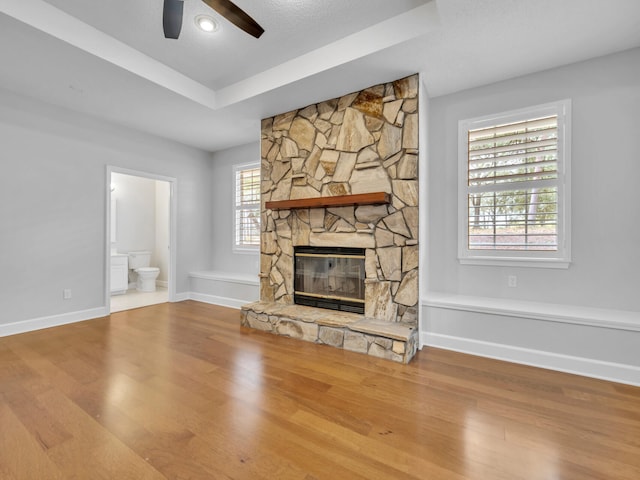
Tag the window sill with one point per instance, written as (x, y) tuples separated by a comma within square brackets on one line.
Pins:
[(516, 262), (246, 251)]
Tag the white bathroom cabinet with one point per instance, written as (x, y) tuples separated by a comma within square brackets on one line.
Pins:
[(119, 274)]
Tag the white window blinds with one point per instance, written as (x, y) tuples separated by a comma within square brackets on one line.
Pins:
[(512, 173), (514, 187), (247, 207)]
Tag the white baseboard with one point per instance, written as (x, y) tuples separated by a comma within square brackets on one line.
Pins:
[(614, 372), (162, 283), (181, 297), (227, 277), (227, 289), (32, 324), (24, 326), (216, 300)]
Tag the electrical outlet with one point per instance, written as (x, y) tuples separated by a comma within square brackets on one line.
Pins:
[(66, 293), (512, 281)]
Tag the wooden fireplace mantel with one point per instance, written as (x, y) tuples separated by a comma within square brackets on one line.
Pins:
[(375, 198)]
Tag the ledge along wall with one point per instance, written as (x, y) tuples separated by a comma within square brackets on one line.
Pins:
[(361, 143)]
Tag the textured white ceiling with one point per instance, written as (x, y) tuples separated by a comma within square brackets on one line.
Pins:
[(110, 59), (217, 60)]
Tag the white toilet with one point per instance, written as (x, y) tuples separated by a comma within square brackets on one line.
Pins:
[(139, 263)]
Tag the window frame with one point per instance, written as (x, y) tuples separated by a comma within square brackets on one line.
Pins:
[(560, 258), (244, 249)]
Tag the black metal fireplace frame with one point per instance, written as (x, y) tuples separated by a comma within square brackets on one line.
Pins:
[(332, 303)]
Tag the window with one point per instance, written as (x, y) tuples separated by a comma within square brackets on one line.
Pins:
[(247, 207), (514, 188)]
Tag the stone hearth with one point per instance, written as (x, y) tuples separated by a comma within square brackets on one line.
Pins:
[(360, 143), (390, 340)]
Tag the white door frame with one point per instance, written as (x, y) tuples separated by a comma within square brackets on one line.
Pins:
[(173, 184)]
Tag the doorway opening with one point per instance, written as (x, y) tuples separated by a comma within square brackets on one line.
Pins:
[(140, 237)]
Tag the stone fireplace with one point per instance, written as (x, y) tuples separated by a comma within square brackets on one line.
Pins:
[(342, 176)]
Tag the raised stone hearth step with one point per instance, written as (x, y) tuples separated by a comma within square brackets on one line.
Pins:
[(390, 340), (321, 316), (393, 330)]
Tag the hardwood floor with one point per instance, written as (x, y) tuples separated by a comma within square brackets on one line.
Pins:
[(181, 391)]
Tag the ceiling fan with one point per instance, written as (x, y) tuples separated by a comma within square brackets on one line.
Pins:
[(172, 17)]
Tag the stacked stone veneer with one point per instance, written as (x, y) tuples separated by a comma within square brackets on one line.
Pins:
[(390, 340), (363, 142)]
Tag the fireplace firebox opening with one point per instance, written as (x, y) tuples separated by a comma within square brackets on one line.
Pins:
[(330, 277)]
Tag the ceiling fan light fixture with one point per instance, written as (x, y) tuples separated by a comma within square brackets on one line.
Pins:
[(207, 23)]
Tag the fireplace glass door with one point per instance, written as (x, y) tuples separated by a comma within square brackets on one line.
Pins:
[(330, 277)]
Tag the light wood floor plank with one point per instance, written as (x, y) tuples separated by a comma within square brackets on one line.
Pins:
[(181, 391), (21, 453)]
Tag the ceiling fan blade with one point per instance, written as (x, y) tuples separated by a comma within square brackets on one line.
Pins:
[(235, 15), (172, 18)]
